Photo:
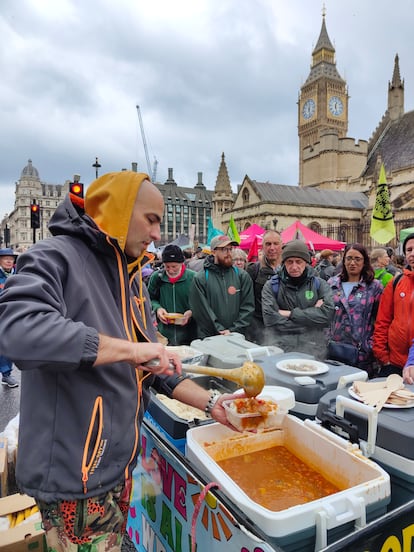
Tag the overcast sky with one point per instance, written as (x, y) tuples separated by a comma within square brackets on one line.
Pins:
[(210, 76)]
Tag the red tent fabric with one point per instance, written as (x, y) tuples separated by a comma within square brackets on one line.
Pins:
[(313, 240), (249, 236), (253, 254)]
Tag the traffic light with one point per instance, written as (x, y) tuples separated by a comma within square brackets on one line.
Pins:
[(76, 188), (34, 215)]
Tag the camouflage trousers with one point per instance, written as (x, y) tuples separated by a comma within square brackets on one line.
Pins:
[(94, 524)]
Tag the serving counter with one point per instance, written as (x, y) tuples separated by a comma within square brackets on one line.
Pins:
[(179, 505)]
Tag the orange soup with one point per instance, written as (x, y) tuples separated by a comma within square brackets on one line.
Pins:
[(276, 479)]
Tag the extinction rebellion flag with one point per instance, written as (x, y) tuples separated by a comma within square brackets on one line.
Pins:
[(382, 221), (232, 232)]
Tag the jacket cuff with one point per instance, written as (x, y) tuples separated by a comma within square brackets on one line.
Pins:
[(167, 384), (90, 349)]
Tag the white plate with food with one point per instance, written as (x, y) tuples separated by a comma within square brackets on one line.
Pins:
[(302, 366), (355, 395)]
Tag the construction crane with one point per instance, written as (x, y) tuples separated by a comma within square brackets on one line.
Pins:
[(152, 171)]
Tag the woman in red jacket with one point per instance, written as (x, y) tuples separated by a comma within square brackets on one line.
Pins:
[(394, 327)]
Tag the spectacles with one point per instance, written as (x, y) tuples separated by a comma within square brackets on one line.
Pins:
[(355, 259), (224, 249)]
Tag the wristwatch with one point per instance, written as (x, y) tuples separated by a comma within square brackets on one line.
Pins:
[(215, 395)]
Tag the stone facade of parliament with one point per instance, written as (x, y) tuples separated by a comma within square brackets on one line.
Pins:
[(337, 175)]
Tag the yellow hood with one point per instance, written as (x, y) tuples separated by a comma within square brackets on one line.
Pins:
[(109, 200)]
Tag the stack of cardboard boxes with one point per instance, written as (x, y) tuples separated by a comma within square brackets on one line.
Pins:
[(24, 536)]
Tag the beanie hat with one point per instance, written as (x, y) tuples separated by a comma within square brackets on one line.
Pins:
[(172, 254), (296, 248), (409, 237)]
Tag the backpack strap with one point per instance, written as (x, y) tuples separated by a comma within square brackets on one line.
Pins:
[(253, 270), (157, 283), (396, 280), (275, 283)]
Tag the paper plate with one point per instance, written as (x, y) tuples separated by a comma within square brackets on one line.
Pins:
[(302, 366), (355, 395)]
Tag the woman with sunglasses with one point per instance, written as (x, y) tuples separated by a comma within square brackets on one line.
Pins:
[(356, 296)]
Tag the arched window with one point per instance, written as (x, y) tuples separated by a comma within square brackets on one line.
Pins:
[(315, 226), (246, 196), (343, 233)]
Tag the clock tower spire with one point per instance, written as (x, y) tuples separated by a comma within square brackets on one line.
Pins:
[(396, 93), (323, 101)]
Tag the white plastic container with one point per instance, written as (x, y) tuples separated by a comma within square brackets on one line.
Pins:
[(188, 355), (254, 421), (231, 351), (366, 485), (283, 400), (175, 318)]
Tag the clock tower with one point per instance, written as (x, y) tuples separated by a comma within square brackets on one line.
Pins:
[(322, 105)]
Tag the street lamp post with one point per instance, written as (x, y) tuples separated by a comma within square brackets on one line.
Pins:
[(97, 166)]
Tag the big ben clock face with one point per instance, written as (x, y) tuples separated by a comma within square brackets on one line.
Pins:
[(308, 109), (336, 107)]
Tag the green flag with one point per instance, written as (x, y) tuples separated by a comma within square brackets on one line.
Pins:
[(232, 231), (382, 222)]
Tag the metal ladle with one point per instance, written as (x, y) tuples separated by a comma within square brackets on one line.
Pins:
[(250, 376)]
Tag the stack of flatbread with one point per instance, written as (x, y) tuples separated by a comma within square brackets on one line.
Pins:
[(388, 391)]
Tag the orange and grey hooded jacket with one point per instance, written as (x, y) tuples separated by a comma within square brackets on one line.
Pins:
[(79, 424), (394, 325)]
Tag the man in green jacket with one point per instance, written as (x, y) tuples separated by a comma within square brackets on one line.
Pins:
[(169, 290), (221, 297), (380, 260)]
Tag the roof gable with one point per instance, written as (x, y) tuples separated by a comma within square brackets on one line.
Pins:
[(294, 195), (396, 146)]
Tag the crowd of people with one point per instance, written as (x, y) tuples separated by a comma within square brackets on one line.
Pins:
[(329, 304), (83, 312)]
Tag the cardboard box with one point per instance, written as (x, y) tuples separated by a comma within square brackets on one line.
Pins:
[(25, 537), (3, 467)]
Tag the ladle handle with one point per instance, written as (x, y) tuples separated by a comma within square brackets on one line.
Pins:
[(207, 370), (225, 373)]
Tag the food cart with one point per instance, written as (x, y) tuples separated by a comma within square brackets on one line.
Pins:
[(179, 506)]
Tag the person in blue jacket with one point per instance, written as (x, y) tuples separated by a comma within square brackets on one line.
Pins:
[(7, 268)]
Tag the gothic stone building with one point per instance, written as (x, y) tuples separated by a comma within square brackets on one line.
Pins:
[(338, 175), (187, 209)]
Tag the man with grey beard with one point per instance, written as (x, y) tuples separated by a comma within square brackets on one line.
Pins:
[(260, 272)]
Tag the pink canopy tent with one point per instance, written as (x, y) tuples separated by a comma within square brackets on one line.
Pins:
[(251, 235), (313, 240)]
